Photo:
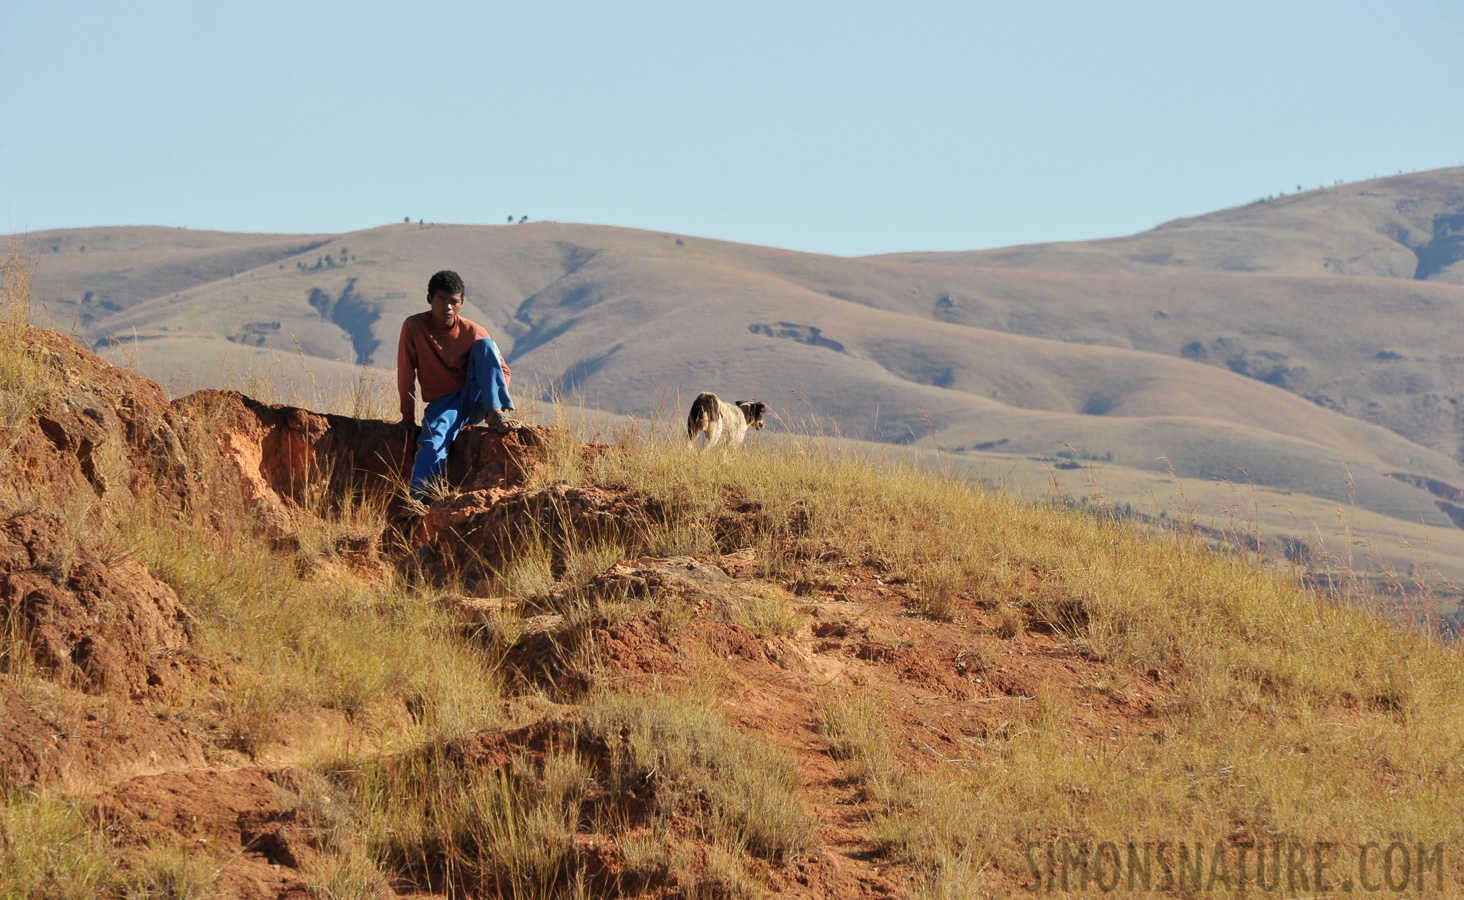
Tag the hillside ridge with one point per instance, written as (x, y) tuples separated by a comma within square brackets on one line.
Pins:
[(1219, 372), (1403, 226), (237, 659)]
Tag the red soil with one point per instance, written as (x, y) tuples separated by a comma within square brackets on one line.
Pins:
[(110, 642)]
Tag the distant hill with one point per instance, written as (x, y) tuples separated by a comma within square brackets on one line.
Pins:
[(1408, 226), (1287, 339)]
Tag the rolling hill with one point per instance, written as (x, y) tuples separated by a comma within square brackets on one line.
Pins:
[(1409, 226), (1298, 339)]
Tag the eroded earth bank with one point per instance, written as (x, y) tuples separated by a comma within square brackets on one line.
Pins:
[(238, 664)]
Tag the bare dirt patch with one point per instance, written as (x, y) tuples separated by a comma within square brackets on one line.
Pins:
[(768, 635)]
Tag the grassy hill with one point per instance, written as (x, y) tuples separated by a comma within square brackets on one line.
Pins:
[(233, 663), (1292, 371)]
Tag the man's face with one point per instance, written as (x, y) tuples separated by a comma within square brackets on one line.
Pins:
[(445, 308)]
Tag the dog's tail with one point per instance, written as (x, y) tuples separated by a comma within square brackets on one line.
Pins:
[(703, 411)]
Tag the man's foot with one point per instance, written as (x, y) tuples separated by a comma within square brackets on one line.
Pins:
[(500, 420)]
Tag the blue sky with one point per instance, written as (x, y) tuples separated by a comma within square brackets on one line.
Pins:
[(844, 128)]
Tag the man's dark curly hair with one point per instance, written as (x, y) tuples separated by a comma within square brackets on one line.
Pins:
[(447, 281)]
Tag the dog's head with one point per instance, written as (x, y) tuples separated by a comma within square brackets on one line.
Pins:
[(753, 411)]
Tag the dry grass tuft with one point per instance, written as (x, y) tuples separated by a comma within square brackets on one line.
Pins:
[(690, 751), (529, 576), (298, 643), (766, 613), (24, 368), (175, 873), (444, 825), (50, 848), (1283, 713), (941, 583), (853, 724)]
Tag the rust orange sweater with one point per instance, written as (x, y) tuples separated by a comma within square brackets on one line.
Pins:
[(438, 359)]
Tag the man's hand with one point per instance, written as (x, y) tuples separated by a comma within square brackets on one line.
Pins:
[(409, 411)]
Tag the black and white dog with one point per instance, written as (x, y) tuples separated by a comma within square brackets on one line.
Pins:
[(724, 423)]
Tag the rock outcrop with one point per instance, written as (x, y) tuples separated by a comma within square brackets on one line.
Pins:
[(101, 426), (104, 444), (287, 459)]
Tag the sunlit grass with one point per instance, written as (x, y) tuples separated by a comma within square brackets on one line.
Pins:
[(1284, 713)]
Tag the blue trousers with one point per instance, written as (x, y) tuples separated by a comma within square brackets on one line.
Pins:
[(484, 389)]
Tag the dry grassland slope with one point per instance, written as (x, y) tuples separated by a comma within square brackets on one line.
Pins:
[(234, 663), (1281, 368)]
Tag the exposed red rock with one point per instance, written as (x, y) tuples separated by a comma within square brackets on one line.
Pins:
[(107, 428), (469, 535), (76, 742), (112, 643), (248, 816), (93, 625), (285, 456)]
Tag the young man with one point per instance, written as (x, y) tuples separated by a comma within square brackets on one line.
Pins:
[(463, 376)]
